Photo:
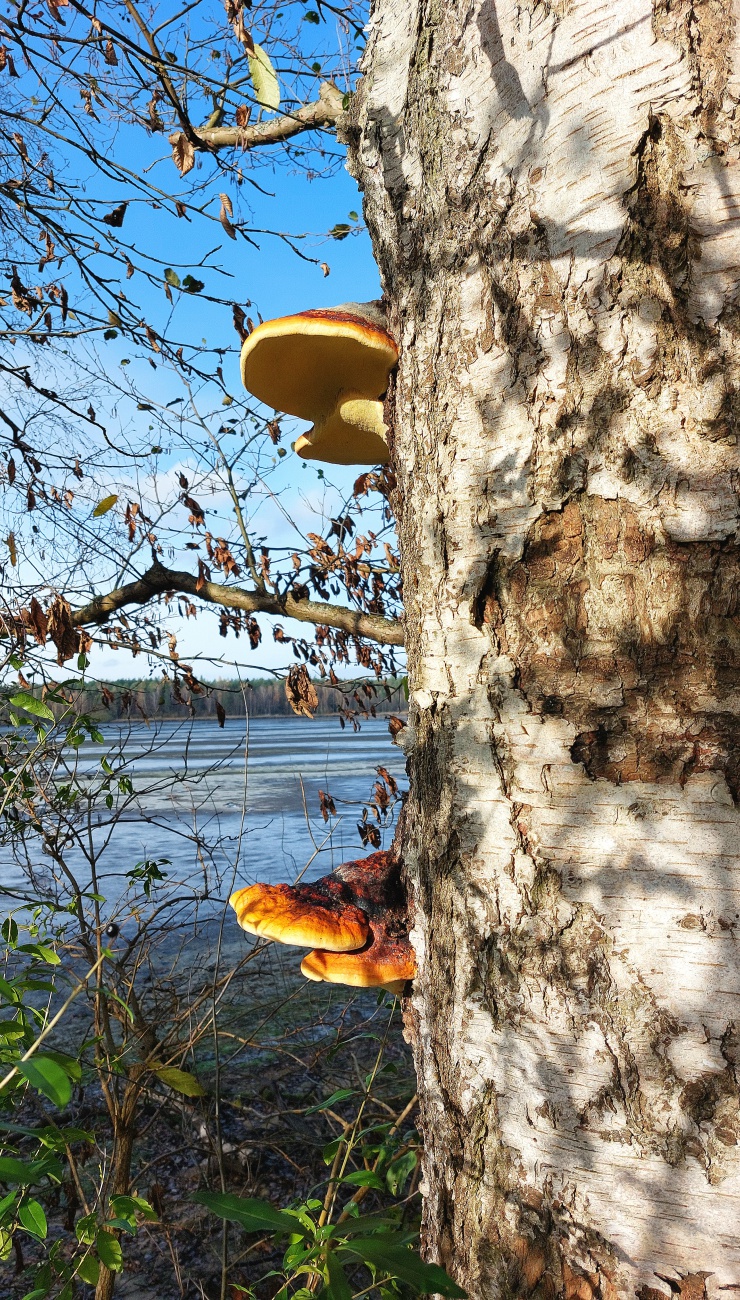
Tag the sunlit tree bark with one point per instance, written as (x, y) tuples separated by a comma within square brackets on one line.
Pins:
[(553, 192)]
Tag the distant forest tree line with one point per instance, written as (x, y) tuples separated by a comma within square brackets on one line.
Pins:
[(263, 697)]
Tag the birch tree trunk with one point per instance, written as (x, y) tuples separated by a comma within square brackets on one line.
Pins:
[(553, 191)]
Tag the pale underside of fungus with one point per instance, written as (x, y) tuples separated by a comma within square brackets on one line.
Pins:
[(330, 366)]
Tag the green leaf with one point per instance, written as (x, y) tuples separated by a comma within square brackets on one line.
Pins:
[(10, 930), (405, 1264), (11, 1029), (338, 1288), (86, 1228), (41, 952), (109, 1250), (88, 1270), (340, 230), (16, 1171), (364, 1178), (264, 79), (121, 1003), (105, 505), (398, 1173), (330, 1150), (341, 1094), (33, 1219), (56, 1139), (121, 1225), (251, 1214), (180, 1081), (172, 277), (48, 1077), (127, 1207), (191, 285), (69, 1064), (6, 1245), (24, 700)]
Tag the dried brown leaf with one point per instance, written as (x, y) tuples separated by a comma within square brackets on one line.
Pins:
[(224, 214), (115, 218), (301, 692), (61, 629), (183, 154)]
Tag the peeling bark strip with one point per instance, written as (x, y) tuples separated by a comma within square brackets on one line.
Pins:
[(553, 191)]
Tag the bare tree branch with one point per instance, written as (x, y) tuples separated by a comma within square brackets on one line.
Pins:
[(157, 580), (326, 111)]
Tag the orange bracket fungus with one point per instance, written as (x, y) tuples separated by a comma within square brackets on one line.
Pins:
[(354, 920), (330, 366)]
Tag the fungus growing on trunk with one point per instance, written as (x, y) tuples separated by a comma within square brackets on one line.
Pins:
[(330, 366), (309, 916), (354, 920)]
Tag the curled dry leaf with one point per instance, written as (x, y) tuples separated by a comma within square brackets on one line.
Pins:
[(243, 114), (34, 619), (183, 154), (115, 218), (224, 214), (196, 516), (395, 725), (61, 629), (301, 692), (327, 806), (204, 575), (239, 319)]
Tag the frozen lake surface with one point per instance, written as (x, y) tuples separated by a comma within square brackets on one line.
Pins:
[(225, 806)]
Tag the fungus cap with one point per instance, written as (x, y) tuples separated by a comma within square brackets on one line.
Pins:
[(305, 915), (354, 434), (383, 962), (330, 366)]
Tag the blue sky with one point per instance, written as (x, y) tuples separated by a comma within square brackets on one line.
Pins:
[(277, 282), (262, 270)]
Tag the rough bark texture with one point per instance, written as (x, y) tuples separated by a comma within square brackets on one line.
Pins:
[(553, 191)]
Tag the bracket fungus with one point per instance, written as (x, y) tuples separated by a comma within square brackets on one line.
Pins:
[(354, 921), (330, 366)]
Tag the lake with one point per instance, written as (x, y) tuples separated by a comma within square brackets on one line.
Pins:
[(227, 806)]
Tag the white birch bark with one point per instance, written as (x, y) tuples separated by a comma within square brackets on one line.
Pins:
[(553, 189)]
